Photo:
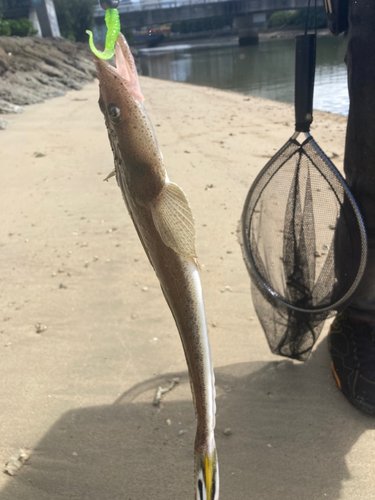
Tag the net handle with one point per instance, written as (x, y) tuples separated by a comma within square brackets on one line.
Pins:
[(304, 81)]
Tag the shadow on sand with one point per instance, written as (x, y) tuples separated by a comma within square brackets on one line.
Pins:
[(291, 430)]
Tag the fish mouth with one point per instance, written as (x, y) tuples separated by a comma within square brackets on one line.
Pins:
[(125, 68)]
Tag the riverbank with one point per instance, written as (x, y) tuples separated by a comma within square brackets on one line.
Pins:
[(226, 36), (86, 337), (289, 34), (33, 69)]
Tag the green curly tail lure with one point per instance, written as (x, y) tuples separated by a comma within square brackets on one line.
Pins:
[(112, 21)]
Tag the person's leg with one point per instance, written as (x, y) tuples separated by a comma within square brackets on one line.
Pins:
[(359, 163), (352, 334)]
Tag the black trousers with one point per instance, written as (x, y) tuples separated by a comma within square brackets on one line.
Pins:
[(359, 163)]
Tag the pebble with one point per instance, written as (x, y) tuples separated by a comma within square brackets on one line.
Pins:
[(4, 124), (227, 431), (39, 327)]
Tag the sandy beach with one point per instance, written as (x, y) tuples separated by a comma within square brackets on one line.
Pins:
[(77, 395)]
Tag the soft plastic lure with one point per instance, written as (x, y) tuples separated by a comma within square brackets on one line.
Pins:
[(112, 21)]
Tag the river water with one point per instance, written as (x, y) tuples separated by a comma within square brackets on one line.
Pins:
[(265, 70)]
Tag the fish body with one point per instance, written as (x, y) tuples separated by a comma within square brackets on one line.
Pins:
[(164, 222)]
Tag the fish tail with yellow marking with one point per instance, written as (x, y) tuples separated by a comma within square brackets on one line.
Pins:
[(207, 476)]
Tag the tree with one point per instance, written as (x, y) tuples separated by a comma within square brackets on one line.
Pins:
[(75, 17)]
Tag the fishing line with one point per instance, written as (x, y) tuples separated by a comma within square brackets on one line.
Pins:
[(307, 17)]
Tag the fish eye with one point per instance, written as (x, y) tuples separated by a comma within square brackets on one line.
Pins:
[(114, 113)]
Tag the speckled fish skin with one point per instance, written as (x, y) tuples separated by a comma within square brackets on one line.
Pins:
[(149, 195)]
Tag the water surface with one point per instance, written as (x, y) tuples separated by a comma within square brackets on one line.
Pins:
[(265, 70)]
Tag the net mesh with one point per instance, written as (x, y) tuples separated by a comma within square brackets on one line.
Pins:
[(304, 246)]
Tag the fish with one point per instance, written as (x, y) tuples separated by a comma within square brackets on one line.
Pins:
[(163, 219)]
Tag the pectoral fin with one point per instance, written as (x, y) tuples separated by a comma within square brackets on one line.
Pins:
[(111, 174), (174, 220)]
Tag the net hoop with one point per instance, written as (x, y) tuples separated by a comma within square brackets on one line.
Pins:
[(246, 231)]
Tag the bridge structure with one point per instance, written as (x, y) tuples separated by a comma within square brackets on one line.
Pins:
[(40, 12), (249, 15)]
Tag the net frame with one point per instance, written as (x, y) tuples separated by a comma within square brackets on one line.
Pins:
[(247, 215)]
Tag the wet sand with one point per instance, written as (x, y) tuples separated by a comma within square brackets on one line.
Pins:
[(78, 395)]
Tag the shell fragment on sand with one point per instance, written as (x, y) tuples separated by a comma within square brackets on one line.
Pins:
[(16, 462)]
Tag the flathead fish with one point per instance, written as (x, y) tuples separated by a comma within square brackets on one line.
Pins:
[(164, 222)]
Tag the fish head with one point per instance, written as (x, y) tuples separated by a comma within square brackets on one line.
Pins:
[(120, 91), (206, 475), (136, 152)]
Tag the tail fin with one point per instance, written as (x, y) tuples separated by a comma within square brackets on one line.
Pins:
[(207, 475)]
